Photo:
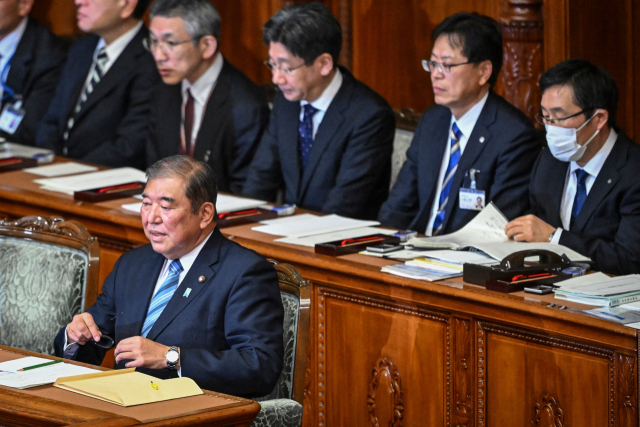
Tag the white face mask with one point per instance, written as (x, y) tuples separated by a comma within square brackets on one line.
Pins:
[(563, 142)]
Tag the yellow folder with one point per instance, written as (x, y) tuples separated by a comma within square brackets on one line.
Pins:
[(125, 387)]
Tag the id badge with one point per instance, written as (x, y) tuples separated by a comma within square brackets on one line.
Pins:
[(471, 199), (11, 118)]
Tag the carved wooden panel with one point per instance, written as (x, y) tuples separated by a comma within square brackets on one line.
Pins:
[(547, 413), (364, 343), (626, 391), (385, 395), (463, 404)]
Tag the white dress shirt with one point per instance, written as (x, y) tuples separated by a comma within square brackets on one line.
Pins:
[(466, 124), (323, 102), (8, 46), (593, 168), (201, 90)]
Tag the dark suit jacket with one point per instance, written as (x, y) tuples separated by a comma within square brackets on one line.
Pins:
[(607, 228), (111, 129), (33, 74), (229, 329), (504, 159), (349, 167), (233, 122)]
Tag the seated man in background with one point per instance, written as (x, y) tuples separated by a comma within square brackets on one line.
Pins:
[(31, 58), (192, 303), (330, 138), (472, 144), (208, 109), (100, 110), (585, 189)]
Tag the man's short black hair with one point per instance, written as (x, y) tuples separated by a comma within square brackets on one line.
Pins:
[(593, 87), (141, 8), (307, 30), (478, 37)]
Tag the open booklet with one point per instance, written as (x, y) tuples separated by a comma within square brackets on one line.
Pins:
[(486, 233)]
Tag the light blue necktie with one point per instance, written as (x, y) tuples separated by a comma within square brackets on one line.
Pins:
[(454, 157), (163, 296), (581, 194)]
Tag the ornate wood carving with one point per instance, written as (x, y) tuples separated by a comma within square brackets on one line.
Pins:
[(626, 390), (547, 413), (522, 54), (463, 372), (385, 395), (480, 357), (115, 245), (49, 225), (320, 383)]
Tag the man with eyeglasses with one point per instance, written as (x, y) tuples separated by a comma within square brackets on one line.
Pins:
[(207, 108), (585, 188), (472, 144), (329, 141), (100, 110)]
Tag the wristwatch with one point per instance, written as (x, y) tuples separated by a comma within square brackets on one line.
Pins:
[(552, 234), (172, 357)]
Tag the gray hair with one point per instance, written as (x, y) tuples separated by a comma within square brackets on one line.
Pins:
[(200, 17), (199, 181)]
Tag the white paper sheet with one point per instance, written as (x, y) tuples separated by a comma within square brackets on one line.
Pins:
[(60, 169), (460, 257), (227, 203), (45, 375), (133, 207), (619, 314), (602, 285), (23, 362), (311, 241), (313, 226), (89, 181), (289, 219)]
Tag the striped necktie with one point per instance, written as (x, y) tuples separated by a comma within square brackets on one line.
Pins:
[(96, 75), (454, 157), (163, 296)]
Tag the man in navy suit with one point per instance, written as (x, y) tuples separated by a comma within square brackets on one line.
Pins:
[(192, 303), (585, 188), (329, 141), (100, 110), (471, 144), (31, 58), (207, 109)]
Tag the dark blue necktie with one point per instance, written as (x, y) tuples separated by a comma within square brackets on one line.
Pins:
[(581, 194), (454, 158), (305, 133)]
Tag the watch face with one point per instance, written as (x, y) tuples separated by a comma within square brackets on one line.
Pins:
[(172, 356)]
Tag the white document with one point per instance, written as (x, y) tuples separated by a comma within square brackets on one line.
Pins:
[(133, 207), (619, 314), (10, 149), (40, 376), (459, 257), (24, 362), (60, 169), (313, 226), (311, 241), (227, 203), (602, 285), (402, 254), (89, 181), (289, 219)]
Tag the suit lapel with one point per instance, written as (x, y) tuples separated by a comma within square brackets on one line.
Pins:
[(149, 269), (203, 266), (289, 142), (19, 71), (209, 133), (606, 180), (555, 176)]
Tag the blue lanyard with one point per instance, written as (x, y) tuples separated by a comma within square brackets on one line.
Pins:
[(7, 92)]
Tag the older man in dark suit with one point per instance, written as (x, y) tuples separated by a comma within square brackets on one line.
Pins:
[(31, 58), (100, 111), (329, 141), (584, 191), (471, 144), (192, 303)]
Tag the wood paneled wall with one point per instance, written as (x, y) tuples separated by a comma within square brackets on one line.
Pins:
[(384, 41)]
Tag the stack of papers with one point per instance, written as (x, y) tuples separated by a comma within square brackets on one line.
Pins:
[(224, 203), (61, 169), (10, 149), (306, 225), (90, 181), (10, 376), (437, 265), (630, 318), (600, 289)]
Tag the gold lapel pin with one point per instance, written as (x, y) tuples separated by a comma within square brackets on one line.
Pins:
[(201, 279)]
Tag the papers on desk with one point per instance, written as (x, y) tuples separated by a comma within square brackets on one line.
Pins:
[(24, 362), (226, 203), (630, 318), (125, 387), (311, 225), (38, 376), (437, 265), (10, 149), (89, 181), (486, 233), (311, 241), (133, 207), (600, 289), (60, 169)]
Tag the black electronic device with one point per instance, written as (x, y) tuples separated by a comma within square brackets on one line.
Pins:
[(384, 248)]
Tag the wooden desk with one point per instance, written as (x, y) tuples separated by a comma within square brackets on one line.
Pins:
[(395, 350), (51, 406)]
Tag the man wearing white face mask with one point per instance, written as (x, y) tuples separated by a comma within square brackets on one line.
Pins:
[(585, 189)]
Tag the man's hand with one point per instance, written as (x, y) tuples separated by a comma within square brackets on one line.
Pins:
[(529, 228), (142, 353), (82, 329)]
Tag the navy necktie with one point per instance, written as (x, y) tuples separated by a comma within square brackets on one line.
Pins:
[(454, 158), (581, 194), (305, 133)]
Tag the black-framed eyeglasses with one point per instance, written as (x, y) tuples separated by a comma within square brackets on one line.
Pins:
[(554, 122), (288, 71), (166, 46), (443, 67)]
